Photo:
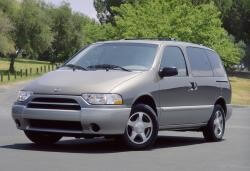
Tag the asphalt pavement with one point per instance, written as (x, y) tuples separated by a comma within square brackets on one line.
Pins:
[(172, 151)]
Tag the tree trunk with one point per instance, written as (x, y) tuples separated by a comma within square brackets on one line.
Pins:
[(12, 62)]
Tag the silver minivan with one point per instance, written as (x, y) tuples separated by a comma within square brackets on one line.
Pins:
[(128, 90)]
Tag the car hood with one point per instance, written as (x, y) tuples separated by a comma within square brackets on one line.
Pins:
[(77, 82)]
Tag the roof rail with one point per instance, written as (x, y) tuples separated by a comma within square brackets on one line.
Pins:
[(151, 38)]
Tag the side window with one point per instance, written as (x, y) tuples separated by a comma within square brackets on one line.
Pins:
[(215, 61), (199, 62), (173, 57)]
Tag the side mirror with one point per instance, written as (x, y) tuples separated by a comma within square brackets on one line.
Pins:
[(168, 72)]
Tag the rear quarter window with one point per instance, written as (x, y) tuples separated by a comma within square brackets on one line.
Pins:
[(199, 62), (216, 63)]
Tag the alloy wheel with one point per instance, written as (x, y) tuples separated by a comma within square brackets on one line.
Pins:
[(218, 124), (139, 128)]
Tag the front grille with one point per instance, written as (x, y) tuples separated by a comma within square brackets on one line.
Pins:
[(60, 125), (54, 103)]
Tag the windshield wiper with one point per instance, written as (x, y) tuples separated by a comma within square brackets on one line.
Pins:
[(74, 67), (107, 67)]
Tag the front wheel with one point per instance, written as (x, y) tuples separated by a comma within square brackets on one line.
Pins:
[(215, 128), (42, 138), (142, 127)]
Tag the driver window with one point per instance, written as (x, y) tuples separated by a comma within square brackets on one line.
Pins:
[(173, 57)]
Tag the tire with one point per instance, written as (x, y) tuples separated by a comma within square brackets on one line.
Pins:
[(215, 128), (142, 127), (42, 138)]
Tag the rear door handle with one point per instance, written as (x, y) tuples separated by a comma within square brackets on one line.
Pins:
[(193, 86)]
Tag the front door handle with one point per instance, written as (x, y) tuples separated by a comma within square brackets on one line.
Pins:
[(193, 86)]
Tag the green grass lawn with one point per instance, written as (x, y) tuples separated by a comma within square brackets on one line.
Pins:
[(241, 90), (22, 64)]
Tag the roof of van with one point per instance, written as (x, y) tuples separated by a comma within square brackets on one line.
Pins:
[(158, 42)]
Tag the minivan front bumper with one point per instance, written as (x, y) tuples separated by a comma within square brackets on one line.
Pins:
[(93, 120)]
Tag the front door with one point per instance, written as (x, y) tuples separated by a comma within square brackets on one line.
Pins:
[(177, 92)]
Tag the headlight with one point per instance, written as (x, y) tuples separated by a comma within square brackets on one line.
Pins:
[(103, 99), (24, 95)]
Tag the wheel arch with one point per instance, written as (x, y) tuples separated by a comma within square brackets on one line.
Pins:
[(221, 101), (147, 100)]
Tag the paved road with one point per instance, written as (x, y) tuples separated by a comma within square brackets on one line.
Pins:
[(173, 150)]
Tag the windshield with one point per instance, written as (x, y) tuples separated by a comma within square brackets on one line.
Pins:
[(130, 56)]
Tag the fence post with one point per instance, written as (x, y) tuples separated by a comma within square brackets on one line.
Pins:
[(44, 68), (49, 67), (41, 68), (8, 76), (15, 75), (37, 70), (26, 72), (21, 72), (30, 71), (1, 77)]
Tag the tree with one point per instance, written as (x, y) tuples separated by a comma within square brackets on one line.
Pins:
[(33, 33), (237, 23), (94, 32), (235, 16), (8, 11), (105, 13), (68, 33), (9, 8), (7, 45), (179, 19), (223, 5)]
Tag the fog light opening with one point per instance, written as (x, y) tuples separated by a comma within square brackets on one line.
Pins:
[(95, 127)]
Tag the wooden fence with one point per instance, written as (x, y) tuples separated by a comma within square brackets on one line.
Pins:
[(25, 73)]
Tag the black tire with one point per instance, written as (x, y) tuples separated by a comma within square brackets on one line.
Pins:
[(148, 116), (42, 138), (209, 132)]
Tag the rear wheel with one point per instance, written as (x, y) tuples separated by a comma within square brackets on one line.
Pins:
[(142, 127), (42, 138), (215, 128)]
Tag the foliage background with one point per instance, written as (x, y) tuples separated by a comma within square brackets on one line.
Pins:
[(33, 29)]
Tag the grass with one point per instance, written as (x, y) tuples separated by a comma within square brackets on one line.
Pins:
[(22, 64), (241, 90)]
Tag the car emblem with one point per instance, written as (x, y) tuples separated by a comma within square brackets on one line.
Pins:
[(57, 90)]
